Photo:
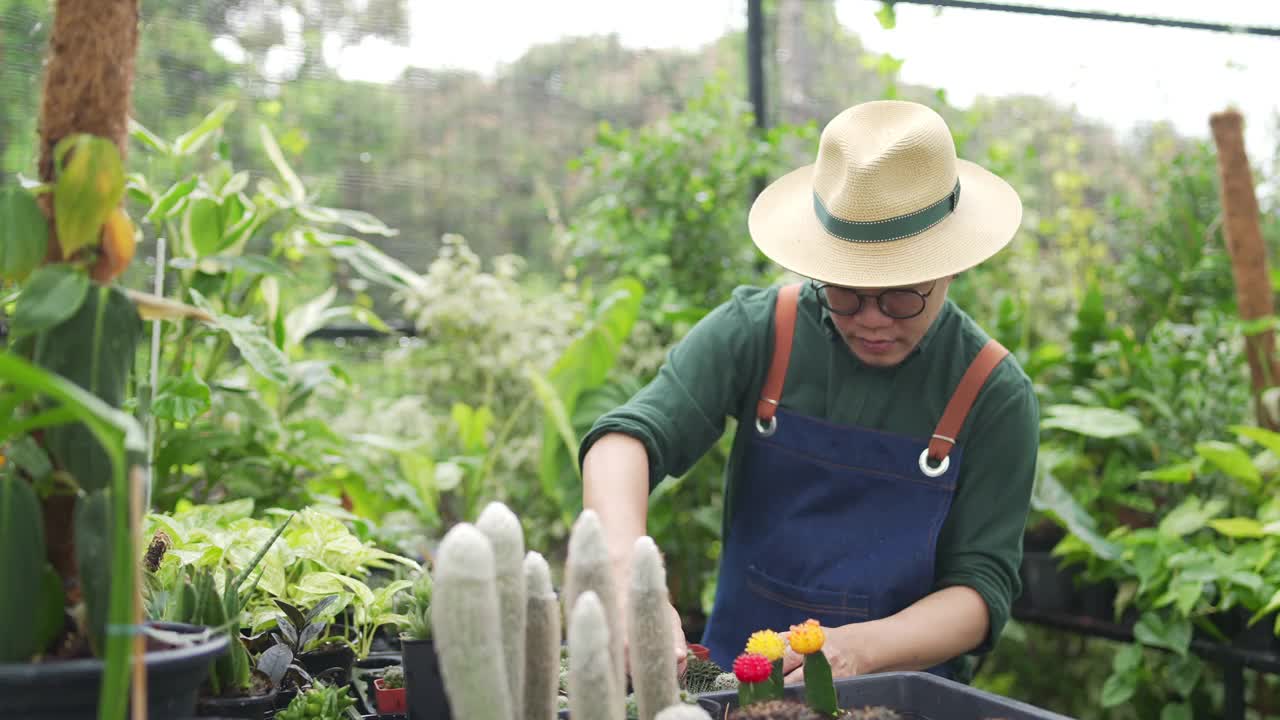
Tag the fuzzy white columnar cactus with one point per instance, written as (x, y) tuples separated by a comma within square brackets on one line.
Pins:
[(464, 619), (593, 690), (587, 569), (652, 645), (502, 527), (681, 711), (542, 641)]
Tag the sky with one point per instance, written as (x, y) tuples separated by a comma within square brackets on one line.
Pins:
[(1119, 73)]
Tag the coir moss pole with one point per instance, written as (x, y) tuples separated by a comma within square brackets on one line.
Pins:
[(88, 81), (1248, 253)]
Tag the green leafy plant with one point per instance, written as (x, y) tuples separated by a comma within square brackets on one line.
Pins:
[(321, 702), (255, 262), (196, 599), (63, 380), (300, 631), (416, 610)]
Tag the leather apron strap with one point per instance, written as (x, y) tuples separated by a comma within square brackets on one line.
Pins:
[(944, 437), (784, 328)]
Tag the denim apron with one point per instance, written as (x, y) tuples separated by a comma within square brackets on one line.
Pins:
[(832, 522)]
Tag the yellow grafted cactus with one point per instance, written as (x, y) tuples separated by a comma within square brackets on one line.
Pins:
[(767, 643), (806, 638)]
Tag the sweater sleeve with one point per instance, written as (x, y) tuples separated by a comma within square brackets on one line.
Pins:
[(682, 412), (980, 545)]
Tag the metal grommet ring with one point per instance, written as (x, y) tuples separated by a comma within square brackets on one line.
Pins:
[(767, 428), (933, 471)]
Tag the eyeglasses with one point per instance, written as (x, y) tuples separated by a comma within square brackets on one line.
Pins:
[(897, 303)]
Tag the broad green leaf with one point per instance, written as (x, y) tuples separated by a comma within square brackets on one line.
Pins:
[(181, 399), (1177, 711), (1094, 422), (361, 222), (1230, 459), (23, 553), (24, 234), (23, 452), (420, 472), (1272, 606), (88, 187), (1180, 473), (1190, 516), (195, 138), (140, 133), (372, 264), (1184, 672), (297, 193), (1173, 634), (95, 349), (309, 317), (1266, 438), (252, 342), (93, 526), (1049, 496), (235, 184), (52, 295), (1119, 688), (1127, 659), (555, 409), (472, 425), (251, 264), (203, 226), (1238, 527), (1251, 581), (170, 202)]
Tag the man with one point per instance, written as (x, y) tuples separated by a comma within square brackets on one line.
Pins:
[(882, 468)]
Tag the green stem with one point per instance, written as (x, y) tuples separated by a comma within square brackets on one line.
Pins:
[(748, 693), (776, 682), (819, 689)]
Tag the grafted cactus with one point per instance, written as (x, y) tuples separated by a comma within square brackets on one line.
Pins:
[(464, 617), (594, 693), (542, 641), (652, 645), (681, 711), (506, 537), (587, 569)]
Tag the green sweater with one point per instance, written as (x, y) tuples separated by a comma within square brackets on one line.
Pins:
[(718, 369)]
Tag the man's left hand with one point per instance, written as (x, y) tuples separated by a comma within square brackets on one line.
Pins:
[(842, 648)]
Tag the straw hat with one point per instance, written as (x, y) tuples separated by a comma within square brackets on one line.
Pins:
[(886, 203)]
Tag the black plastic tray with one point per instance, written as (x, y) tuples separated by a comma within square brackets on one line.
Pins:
[(916, 696)]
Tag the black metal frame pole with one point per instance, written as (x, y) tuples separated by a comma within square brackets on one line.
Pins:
[(755, 59), (1097, 15), (755, 74), (1232, 690)]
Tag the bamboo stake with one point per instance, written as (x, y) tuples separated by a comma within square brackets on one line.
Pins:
[(1248, 255)]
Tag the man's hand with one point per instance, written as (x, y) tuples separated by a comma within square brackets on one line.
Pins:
[(842, 646), (682, 646)]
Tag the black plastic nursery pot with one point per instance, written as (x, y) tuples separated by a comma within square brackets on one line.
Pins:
[(424, 685), (916, 695), (331, 664), (1045, 586), (69, 690), (257, 707)]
